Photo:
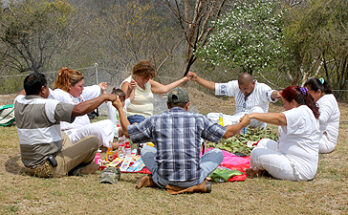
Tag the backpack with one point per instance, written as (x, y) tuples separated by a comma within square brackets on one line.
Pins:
[(7, 116)]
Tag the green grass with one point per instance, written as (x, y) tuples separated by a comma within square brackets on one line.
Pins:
[(22, 194)]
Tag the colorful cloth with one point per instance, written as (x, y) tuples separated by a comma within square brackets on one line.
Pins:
[(234, 162)]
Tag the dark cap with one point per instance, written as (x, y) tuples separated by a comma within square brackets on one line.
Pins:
[(178, 95)]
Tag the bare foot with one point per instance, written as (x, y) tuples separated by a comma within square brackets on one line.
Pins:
[(254, 173)]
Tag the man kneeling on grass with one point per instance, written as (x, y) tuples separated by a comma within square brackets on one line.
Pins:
[(44, 151), (175, 161)]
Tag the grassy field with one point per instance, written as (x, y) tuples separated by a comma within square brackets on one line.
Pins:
[(326, 194)]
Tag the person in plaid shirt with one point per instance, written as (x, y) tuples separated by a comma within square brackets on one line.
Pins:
[(177, 134)]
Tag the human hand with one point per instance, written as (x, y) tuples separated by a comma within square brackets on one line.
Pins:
[(245, 120), (132, 85), (275, 95), (117, 103), (103, 86), (192, 76)]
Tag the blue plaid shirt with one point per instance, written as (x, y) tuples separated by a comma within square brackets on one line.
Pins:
[(177, 137)]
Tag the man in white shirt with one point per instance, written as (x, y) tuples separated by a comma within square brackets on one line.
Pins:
[(250, 96)]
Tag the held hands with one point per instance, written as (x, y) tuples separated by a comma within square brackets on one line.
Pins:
[(192, 76), (117, 103), (245, 120)]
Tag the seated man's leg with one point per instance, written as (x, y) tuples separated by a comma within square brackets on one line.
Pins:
[(255, 123), (72, 155), (266, 157), (227, 119), (148, 154), (135, 119), (209, 162), (103, 130)]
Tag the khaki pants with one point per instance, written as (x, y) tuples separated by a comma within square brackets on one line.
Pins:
[(72, 155)]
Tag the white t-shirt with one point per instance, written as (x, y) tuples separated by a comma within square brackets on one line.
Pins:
[(299, 141), (113, 113), (329, 118), (88, 93), (261, 95)]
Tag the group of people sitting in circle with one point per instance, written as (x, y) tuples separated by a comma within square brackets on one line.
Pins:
[(57, 138)]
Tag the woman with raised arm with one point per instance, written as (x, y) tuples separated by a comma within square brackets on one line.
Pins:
[(69, 88), (142, 104), (295, 155), (329, 113)]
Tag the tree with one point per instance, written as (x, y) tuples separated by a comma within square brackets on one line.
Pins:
[(133, 31), (32, 31), (248, 37), (196, 20), (317, 38)]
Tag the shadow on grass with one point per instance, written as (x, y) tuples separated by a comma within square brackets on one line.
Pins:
[(13, 167)]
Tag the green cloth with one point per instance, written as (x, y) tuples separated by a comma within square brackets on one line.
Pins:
[(221, 175)]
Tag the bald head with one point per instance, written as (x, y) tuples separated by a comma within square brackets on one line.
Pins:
[(246, 84), (245, 78)]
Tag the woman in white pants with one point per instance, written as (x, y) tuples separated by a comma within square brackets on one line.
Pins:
[(69, 88), (329, 113), (295, 156)]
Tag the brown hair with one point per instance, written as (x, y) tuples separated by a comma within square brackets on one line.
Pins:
[(144, 68), (65, 77), (119, 92)]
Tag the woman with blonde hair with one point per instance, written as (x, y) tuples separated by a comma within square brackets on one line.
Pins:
[(142, 105), (69, 88)]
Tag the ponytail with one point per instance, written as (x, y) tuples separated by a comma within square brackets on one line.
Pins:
[(65, 77), (318, 84)]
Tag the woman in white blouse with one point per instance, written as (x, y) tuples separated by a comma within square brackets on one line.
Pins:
[(329, 113), (69, 88), (295, 155)]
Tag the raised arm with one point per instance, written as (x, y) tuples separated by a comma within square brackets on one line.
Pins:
[(126, 88), (88, 106), (123, 118), (272, 118), (159, 88), (205, 83)]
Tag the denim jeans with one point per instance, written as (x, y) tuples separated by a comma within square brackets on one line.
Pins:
[(209, 162), (135, 119)]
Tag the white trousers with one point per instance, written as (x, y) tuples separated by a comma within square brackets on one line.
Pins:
[(267, 157), (325, 145), (103, 130), (234, 119)]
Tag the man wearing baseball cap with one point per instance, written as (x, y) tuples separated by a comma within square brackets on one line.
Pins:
[(175, 161)]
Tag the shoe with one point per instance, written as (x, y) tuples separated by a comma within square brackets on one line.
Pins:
[(145, 181), (204, 187), (84, 169)]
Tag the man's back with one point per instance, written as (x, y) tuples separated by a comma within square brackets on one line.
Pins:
[(177, 137), (38, 127)]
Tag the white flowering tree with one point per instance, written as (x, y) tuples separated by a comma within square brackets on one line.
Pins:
[(248, 37)]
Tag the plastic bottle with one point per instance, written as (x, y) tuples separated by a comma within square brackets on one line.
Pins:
[(245, 130), (109, 154), (120, 151), (127, 149), (97, 158), (221, 120)]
